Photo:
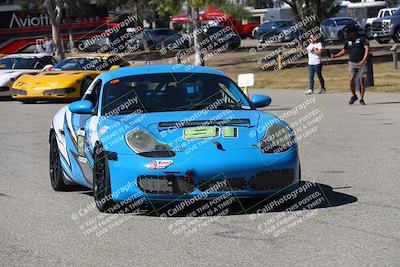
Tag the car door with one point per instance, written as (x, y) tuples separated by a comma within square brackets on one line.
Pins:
[(327, 27), (81, 150)]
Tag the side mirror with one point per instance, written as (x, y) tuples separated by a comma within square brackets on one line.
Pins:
[(114, 67), (261, 101), (81, 107), (47, 67)]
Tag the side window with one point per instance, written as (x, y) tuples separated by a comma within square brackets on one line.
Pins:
[(40, 63), (47, 61), (44, 61), (328, 23), (93, 92)]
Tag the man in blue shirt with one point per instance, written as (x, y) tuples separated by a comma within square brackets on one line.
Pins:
[(358, 48)]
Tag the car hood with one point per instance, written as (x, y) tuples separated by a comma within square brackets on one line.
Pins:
[(50, 79), (6, 75), (387, 18), (172, 128)]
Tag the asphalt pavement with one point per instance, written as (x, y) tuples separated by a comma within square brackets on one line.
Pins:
[(349, 158)]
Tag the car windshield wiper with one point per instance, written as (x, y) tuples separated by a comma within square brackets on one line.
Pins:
[(222, 106)]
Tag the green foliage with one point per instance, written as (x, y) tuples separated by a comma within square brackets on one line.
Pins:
[(198, 4), (235, 10), (322, 8), (393, 3)]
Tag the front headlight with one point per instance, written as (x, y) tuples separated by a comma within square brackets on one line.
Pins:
[(142, 142), (62, 91), (387, 23), (278, 139)]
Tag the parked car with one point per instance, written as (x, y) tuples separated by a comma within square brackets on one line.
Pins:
[(160, 37), (15, 65), (333, 29), (277, 31), (243, 30), (384, 12), (387, 28), (67, 80), (220, 35)]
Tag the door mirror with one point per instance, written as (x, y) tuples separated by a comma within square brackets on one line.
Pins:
[(81, 107), (261, 101)]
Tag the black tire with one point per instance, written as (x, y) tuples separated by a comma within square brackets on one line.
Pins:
[(396, 36), (368, 33), (382, 41), (84, 85), (341, 36), (28, 101), (299, 173), (101, 181), (56, 173)]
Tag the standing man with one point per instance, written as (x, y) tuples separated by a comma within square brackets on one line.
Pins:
[(357, 47), (49, 46)]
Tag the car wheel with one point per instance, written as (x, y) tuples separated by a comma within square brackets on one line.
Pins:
[(56, 173), (299, 173), (382, 41), (341, 36), (368, 33), (396, 37), (85, 84), (101, 181)]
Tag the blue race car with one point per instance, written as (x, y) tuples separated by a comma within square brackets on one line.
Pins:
[(166, 133)]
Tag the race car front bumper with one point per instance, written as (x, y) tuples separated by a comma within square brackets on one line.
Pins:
[(45, 94), (244, 172)]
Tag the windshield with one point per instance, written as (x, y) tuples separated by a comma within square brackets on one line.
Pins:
[(218, 29), (276, 24), (397, 13), (345, 22), (171, 92), (19, 63), (83, 63)]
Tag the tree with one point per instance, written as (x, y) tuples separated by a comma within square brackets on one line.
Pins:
[(194, 10), (305, 8), (237, 11), (74, 9), (54, 10), (393, 3)]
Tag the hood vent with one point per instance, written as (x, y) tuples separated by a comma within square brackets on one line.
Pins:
[(183, 124)]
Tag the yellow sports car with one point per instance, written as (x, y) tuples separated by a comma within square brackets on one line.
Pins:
[(67, 80)]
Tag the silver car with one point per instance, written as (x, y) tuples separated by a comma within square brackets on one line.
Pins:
[(333, 28)]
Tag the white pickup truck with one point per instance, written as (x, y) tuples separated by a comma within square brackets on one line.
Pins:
[(384, 12)]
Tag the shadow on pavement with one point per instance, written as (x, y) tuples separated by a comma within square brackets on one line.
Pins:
[(385, 103), (308, 196)]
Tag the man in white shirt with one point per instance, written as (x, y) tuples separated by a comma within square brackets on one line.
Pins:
[(314, 50)]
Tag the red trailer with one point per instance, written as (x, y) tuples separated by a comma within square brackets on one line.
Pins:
[(21, 29)]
